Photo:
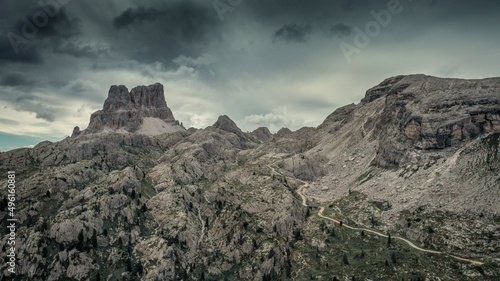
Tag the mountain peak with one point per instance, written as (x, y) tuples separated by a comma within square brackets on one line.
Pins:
[(263, 134), (226, 124), (143, 110), (140, 97)]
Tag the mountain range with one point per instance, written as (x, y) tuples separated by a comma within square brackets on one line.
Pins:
[(404, 185)]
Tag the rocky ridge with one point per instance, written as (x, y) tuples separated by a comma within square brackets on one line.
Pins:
[(418, 157)]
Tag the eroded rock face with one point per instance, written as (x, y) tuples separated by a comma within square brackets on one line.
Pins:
[(283, 133), (429, 113), (126, 111), (226, 124), (263, 134)]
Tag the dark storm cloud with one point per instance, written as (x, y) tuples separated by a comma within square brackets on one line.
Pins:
[(184, 20), (348, 7), (162, 32), (60, 26), (133, 16), (280, 10), (33, 104), (78, 88), (27, 54), (34, 35), (73, 49), (294, 33), (188, 21), (15, 79), (341, 30)]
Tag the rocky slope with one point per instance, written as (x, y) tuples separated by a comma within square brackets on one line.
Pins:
[(415, 143), (134, 199)]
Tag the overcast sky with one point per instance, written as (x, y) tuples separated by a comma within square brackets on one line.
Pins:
[(279, 63)]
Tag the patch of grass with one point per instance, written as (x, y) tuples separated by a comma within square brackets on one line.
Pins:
[(390, 168), (51, 207), (381, 205), (365, 177), (407, 171), (385, 118), (148, 189)]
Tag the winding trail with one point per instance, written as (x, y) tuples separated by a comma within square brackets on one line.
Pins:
[(202, 227), (322, 208)]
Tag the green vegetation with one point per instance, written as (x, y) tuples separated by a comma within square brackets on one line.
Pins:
[(365, 176), (385, 118)]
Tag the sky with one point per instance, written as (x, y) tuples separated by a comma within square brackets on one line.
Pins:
[(280, 63)]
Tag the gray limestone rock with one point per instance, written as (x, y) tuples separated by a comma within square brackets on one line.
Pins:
[(263, 134), (126, 111), (226, 124)]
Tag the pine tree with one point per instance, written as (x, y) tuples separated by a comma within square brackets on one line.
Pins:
[(44, 226), (345, 260), (80, 237), (93, 240), (393, 257), (140, 269)]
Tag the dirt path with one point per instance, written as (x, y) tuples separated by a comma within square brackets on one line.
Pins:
[(304, 198), (320, 214), (202, 227)]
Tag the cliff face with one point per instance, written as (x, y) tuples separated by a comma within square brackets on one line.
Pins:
[(430, 113), (137, 197), (141, 108)]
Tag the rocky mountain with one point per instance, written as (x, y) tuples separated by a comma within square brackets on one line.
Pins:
[(143, 110), (129, 198)]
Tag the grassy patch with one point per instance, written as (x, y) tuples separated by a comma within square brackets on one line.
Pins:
[(365, 177), (385, 118), (148, 189)]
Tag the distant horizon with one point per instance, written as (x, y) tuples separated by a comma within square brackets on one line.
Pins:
[(279, 64), (11, 142)]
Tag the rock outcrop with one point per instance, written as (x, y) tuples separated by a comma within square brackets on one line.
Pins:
[(283, 133), (142, 110), (429, 113), (226, 124), (263, 134)]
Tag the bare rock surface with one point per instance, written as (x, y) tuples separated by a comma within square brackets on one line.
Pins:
[(142, 110)]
